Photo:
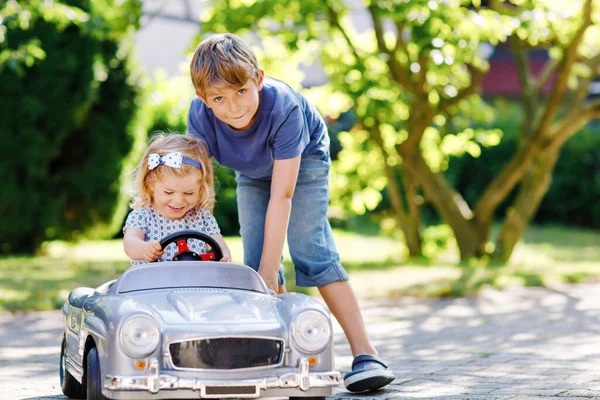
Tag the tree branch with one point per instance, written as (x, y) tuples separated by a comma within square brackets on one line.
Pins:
[(378, 27), (503, 183), (422, 75), (522, 64), (399, 74), (394, 189), (543, 77), (400, 43), (573, 110), (571, 123), (504, 8), (476, 78), (335, 21), (565, 65), (584, 83), (530, 95)]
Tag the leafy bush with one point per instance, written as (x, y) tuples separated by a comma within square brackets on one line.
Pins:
[(574, 194), (67, 118)]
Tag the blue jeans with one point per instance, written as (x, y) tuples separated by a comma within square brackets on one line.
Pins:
[(310, 241)]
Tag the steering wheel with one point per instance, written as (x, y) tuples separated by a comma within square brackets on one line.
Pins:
[(183, 251)]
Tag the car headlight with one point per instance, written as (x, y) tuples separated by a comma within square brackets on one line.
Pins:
[(140, 336), (311, 331)]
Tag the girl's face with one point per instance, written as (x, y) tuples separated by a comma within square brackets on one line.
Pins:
[(174, 196), (236, 107)]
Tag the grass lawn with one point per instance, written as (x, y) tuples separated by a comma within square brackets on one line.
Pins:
[(377, 268)]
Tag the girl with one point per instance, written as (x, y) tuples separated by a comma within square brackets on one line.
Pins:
[(173, 191)]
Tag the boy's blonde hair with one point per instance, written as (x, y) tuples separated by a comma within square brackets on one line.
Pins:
[(223, 60), (190, 147)]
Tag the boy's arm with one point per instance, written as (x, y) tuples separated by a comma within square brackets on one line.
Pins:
[(224, 247), (138, 249), (283, 183)]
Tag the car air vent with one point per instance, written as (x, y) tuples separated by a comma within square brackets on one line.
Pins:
[(226, 353)]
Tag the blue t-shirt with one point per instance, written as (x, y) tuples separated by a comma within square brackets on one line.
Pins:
[(286, 126)]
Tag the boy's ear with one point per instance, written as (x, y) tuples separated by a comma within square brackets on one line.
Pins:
[(200, 97), (261, 77)]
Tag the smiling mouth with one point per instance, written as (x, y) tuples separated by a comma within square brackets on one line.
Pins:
[(240, 117), (177, 209)]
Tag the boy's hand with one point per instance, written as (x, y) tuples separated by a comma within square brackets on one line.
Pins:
[(152, 251), (271, 279), (226, 257)]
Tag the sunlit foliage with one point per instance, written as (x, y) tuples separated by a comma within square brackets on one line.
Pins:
[(411, 71)]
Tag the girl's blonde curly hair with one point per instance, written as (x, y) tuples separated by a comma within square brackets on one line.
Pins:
[(162, 143)]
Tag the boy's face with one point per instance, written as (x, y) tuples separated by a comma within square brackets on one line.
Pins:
[(237, 107)]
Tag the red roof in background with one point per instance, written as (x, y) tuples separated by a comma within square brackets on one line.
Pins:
[(502, 78)]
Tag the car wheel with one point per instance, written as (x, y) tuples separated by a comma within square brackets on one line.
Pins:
[(68, 384), (93, 376)]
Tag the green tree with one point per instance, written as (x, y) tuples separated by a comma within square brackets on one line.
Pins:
[(67, 118), (412, 76), (571, 33)]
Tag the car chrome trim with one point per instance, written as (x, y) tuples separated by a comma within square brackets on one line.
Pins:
[(81, 343), (154, 382), (153, 376), (73, 368)]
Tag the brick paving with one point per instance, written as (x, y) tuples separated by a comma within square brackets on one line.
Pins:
[(519, 344)]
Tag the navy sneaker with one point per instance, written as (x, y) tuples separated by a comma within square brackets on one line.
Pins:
[(368, 373)]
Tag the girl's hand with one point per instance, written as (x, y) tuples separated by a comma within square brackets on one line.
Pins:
[(226, 257), (152, 251), (224, 248)]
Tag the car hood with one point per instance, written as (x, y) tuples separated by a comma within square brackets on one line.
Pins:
[(210, 306)]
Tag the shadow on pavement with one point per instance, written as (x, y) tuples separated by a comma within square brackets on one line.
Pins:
[(520, 343)]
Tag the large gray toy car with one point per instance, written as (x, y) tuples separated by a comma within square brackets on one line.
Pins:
[(194, 329)]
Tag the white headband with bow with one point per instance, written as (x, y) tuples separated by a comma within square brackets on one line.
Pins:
[(175, 160)]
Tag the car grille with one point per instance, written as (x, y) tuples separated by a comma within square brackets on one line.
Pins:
[(226, 353)]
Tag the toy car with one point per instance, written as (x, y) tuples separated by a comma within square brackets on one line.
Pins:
[(194, 329)]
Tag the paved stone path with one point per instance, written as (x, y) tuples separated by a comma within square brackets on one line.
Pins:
[(519, 344)]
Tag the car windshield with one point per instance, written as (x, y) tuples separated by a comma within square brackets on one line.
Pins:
[(188, 274)]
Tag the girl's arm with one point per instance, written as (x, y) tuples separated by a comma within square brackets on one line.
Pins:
[(224, 247), (283, 183), (138, 249)]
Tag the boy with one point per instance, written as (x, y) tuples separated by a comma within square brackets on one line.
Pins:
[(278, 145)]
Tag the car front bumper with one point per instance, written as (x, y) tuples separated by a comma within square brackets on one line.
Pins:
[(300, 383)]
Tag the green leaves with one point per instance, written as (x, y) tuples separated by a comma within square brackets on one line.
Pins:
[(411, 71), (22, 57), (112, 20), (68, 119)]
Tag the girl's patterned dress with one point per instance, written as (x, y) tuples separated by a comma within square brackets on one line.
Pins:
[(156, 227)]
